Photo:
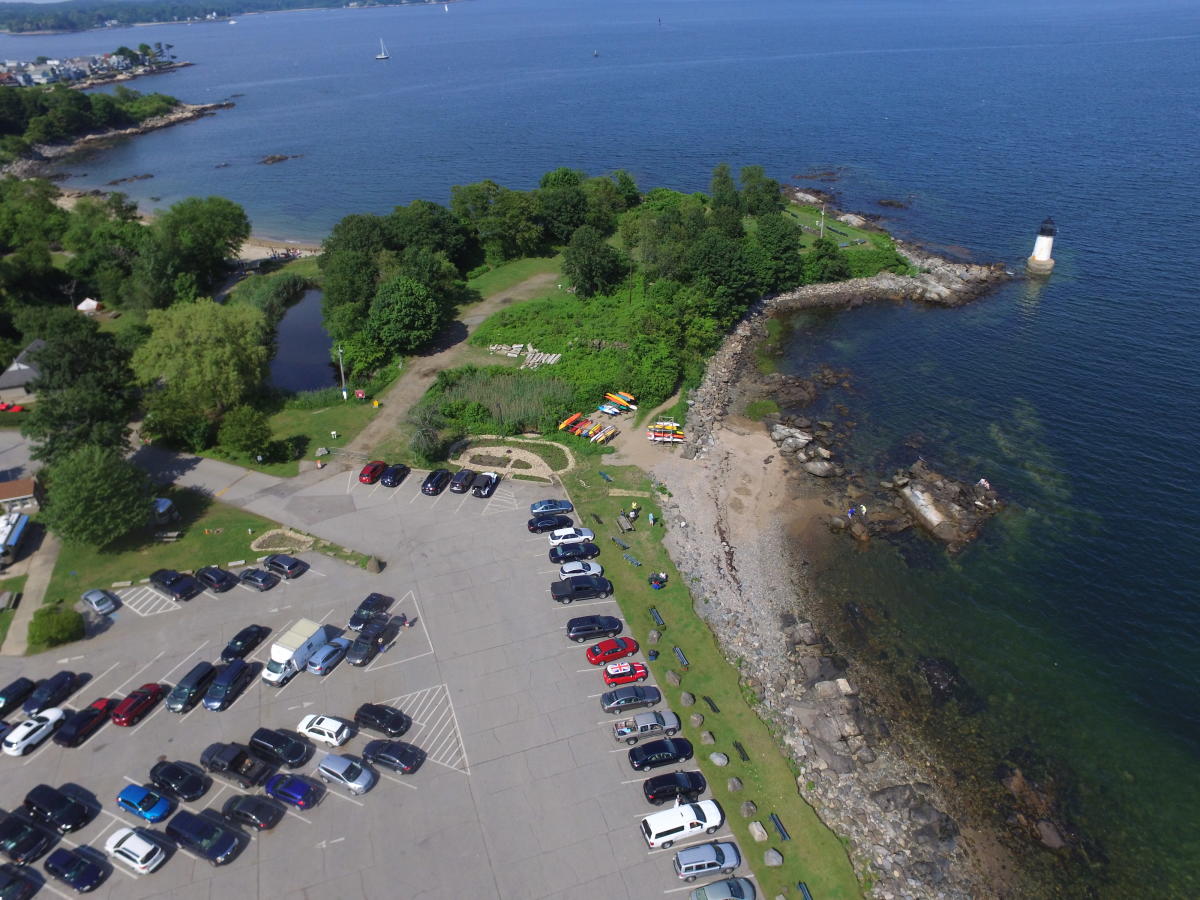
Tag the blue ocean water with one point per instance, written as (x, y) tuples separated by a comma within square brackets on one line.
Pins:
[(1077, 616)]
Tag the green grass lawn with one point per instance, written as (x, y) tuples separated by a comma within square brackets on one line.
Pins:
[(306, 267), (81, 568), (12, 420), (810, 216), (814, 855), (503, 277), (16, 585)]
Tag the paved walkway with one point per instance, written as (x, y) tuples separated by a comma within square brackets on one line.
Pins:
[(41, 567)]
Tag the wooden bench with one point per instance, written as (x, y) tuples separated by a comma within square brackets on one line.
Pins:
[(7, 599), (623, 523), (168, 536)]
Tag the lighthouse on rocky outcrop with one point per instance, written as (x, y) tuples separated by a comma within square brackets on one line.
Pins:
[(1042, 263)]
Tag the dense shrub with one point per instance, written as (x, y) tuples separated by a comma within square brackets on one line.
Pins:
[(55, 624)]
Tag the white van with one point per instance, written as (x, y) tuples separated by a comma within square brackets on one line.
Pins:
[(684, 820)]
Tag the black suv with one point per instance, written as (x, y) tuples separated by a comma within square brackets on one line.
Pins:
[(179, 780), (580, 587), (14, 694), (587, 628), (286, 566), (278, 747), (383, 719), (666, 752), (393, 475), (564, 553), (461, 482), (258, 812), (435, 482), (217, 579), (373, 607), (175, 585), (375, 636), (56, 809), (484, 484), (22, 841), (665, 788)]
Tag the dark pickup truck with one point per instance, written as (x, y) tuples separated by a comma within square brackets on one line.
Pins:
[(234, 763), (580, 587)]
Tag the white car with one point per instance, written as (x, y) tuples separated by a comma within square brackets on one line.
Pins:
[(570, 536), (579, 567), (325, 729), (30, 733), (135, 850)]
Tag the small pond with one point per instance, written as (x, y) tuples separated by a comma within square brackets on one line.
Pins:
[(301, 360)]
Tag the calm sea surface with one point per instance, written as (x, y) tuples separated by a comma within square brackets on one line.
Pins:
[(1077, 617)]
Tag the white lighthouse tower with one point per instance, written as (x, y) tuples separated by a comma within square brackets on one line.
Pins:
[(1041, 262)]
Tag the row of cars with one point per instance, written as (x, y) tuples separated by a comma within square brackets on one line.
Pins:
[(688, 815), (480, 484), (265, 761)]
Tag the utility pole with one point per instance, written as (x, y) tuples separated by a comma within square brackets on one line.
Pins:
[(822, 222), (342, 369)]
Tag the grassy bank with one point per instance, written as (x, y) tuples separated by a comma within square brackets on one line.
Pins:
[(502, 277), (814, 855), (16, 586)]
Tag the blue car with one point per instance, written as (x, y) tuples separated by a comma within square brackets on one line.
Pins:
[(550, 507), (74, 870), (292, 790), (144, 803)]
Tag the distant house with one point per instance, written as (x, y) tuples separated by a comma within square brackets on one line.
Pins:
[(15, 380)]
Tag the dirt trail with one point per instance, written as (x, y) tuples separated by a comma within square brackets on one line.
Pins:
[(447, 353)]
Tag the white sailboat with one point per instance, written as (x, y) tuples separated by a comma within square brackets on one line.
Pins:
[(382, 54)]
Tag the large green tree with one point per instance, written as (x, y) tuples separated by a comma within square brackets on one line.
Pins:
[(95, 495), (592, 266), (198, 234), (825, 262), (210, 355), (404, 315), (726, 202)]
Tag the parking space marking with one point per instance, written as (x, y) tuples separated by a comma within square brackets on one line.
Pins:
[(36, 750), (706, 839), (419, 621), (167, 673), (503, 500), (157, 709), (315, 572), (296, 815), (399, 781), (146, 601), (591, 602), (102, 674), (47, 886), (435, 726), (330, 792)]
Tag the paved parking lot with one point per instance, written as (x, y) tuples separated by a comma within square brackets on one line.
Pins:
[(524, 793)]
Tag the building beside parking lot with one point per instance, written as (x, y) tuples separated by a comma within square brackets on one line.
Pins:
[(15, 380), (20, 495)]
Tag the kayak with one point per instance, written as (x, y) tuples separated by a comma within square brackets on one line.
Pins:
[(579, 426), (567, 421), (620, 401), (627, 396), (603, 434), (605, 438)]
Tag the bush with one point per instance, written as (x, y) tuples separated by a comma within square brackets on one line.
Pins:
[(246, 430), (55, 624)]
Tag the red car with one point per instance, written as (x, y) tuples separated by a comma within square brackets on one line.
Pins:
[(613, 648), (624, 673), (371, 472), (131, 710)]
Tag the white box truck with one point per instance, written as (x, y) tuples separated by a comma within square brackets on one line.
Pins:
[(290, 653)]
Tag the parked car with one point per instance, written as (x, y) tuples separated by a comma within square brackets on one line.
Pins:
[(729, 889), (243, 642), (233, 762), (216, 579), (207, 839), (73, 869), (586, 628), (14, 694), (546, 507), (395, 755), (324, 660), (292, 790), (180, 780), (571, 552), (134, 707), (668, 787), (347, 772), (373, 607), (580, 587), (374, 638), (460, 482), (174, 585), (285, 566), (393, 475), (82, 723), (372, 472), (542, 524), (631, 696), (626, 672), (228, 685), (22, 841), (51, 692), (145, 803), (132, 848), (325, 729), (613, 648), (579, 567), (14, 884), (100, 601), (707, 859), (664, 829), (571, 536), (663, 752), (261, 813), (279, 747), (484, 484), (258, 579), (192, 687), (30, 734), (383, 719), (60, 811), (435, 482)]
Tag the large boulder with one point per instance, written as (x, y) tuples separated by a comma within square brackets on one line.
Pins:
[(822, 468)]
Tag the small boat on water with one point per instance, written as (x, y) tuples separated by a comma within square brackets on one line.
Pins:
[(382, 54)]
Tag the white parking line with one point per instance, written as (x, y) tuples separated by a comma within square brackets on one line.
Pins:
[(182, 661), (102, 674), (159, 708), (591, 602), (132, 677), (37, 750), (706, 839), (296, 815), (399, 781), (330, 792), (47, 886)]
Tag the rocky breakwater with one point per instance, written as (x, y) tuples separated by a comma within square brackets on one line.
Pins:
[(39, 162)]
